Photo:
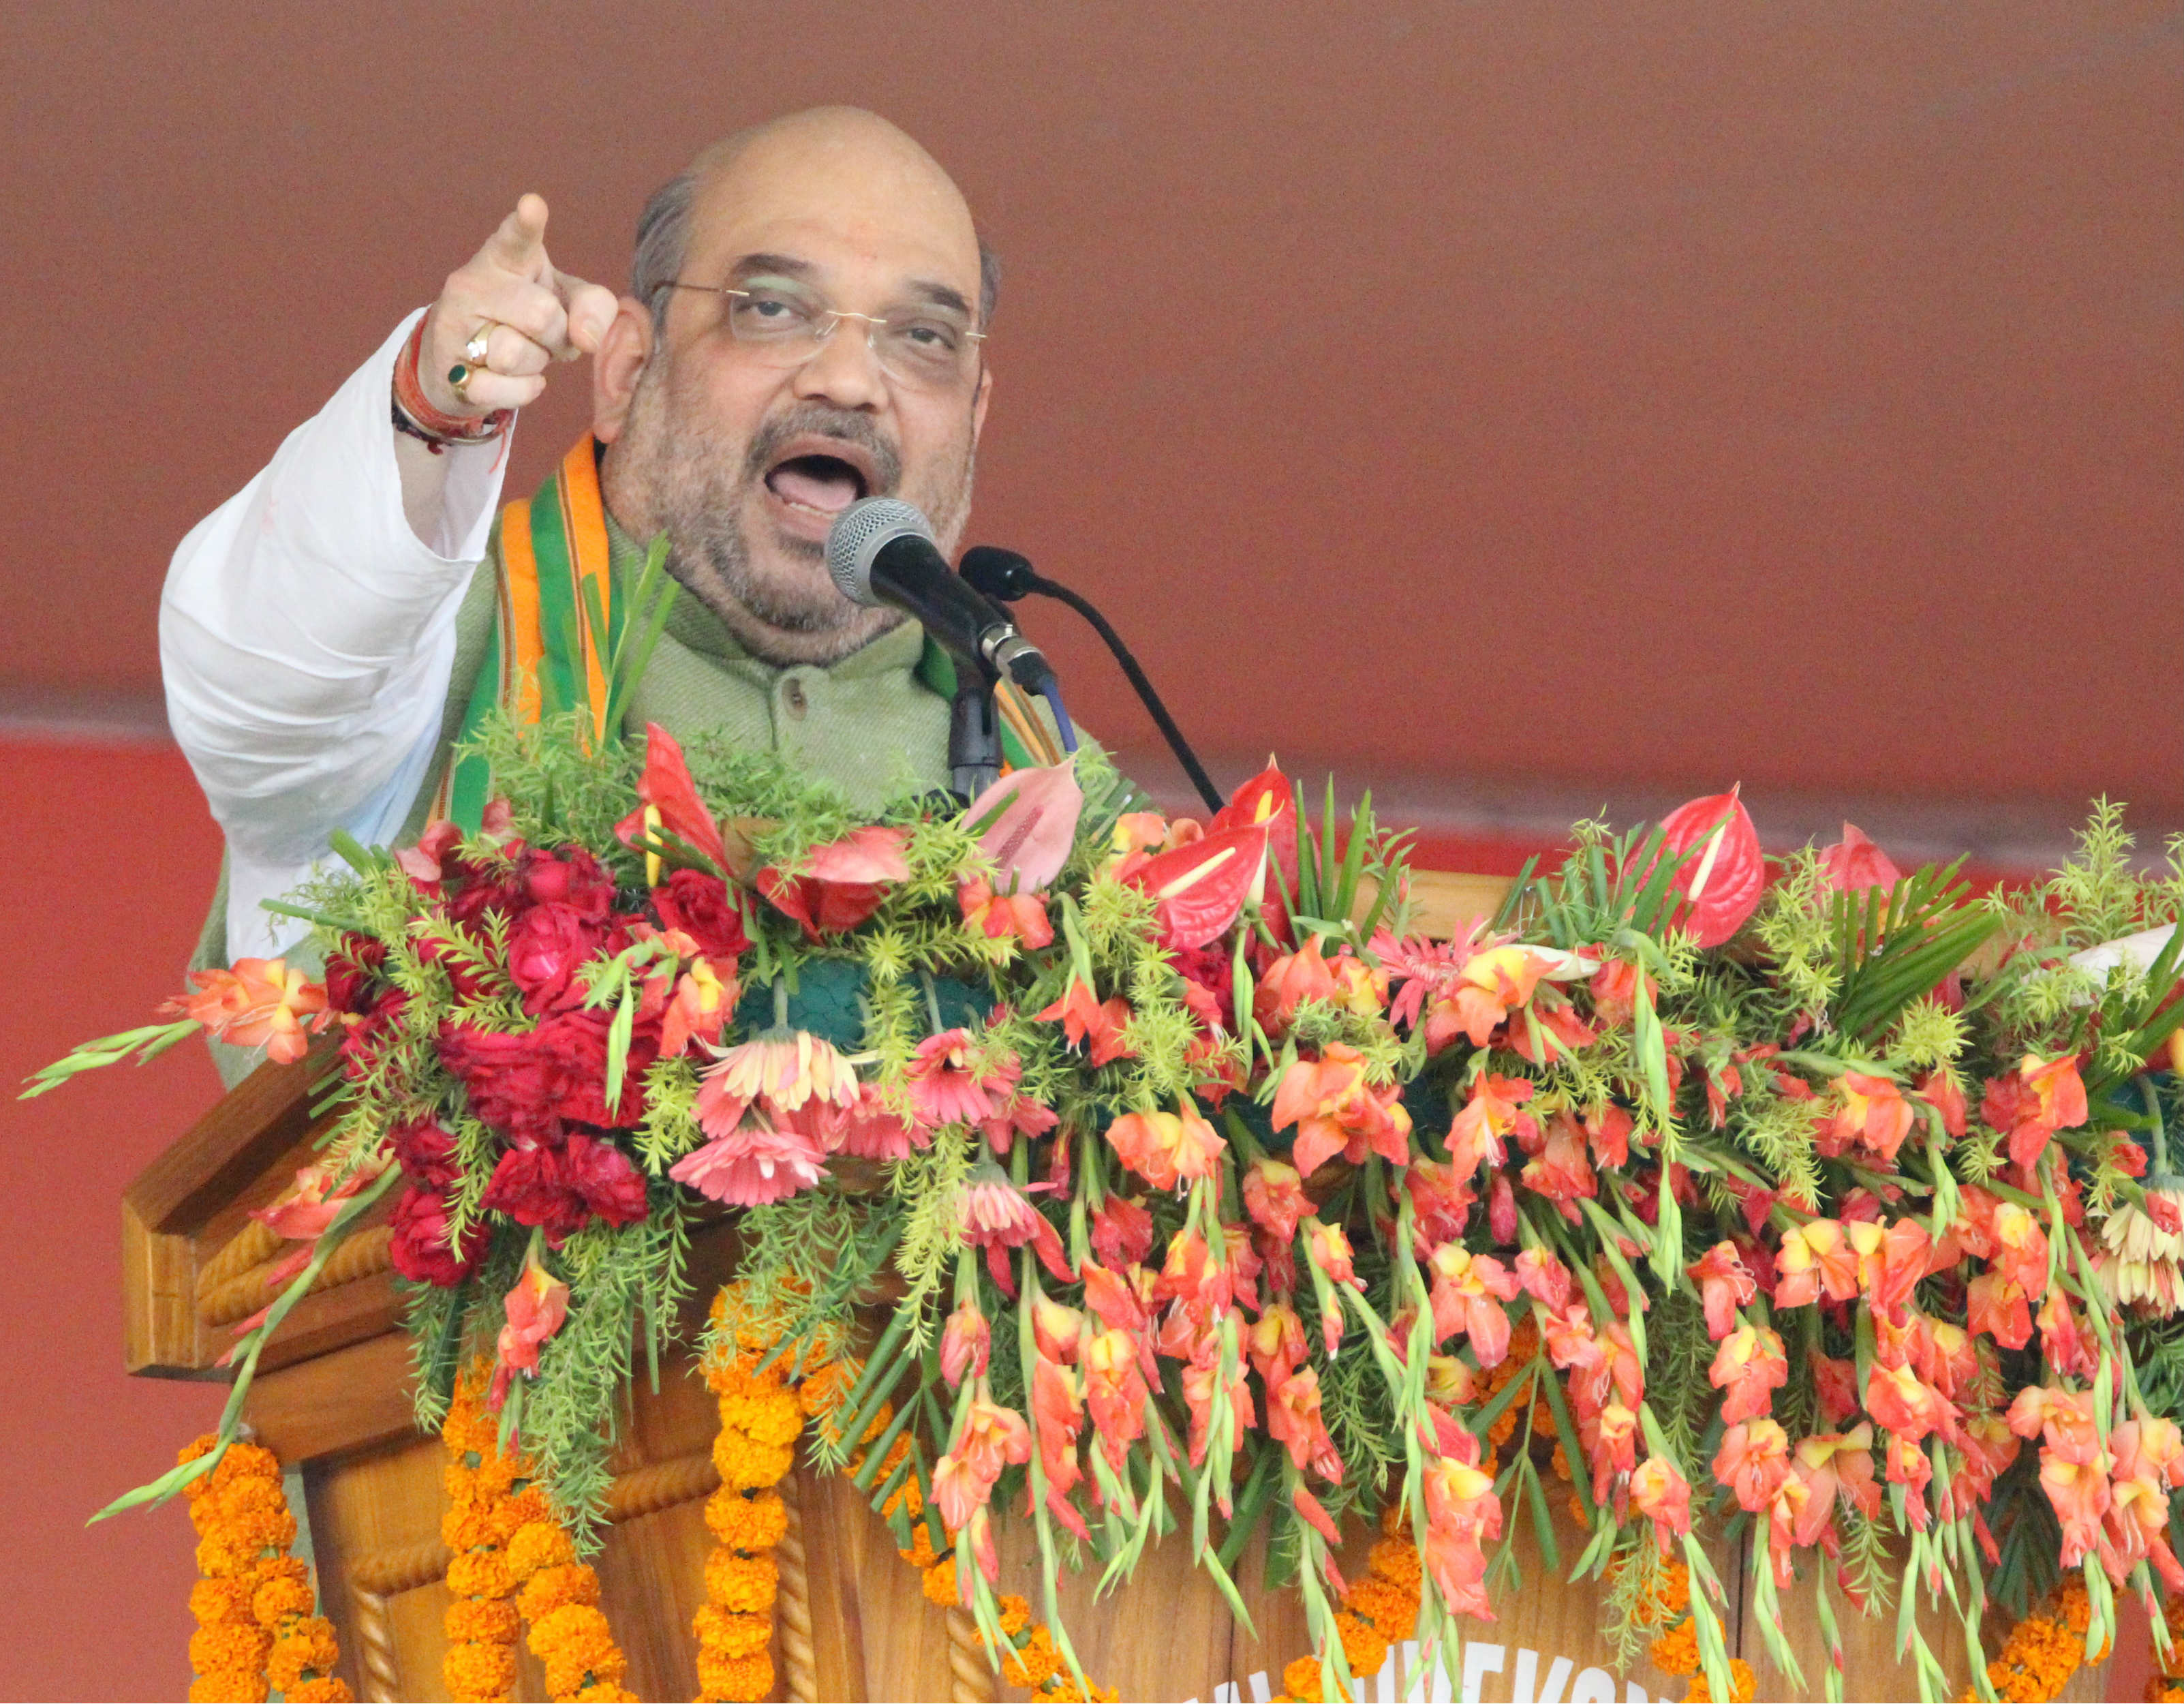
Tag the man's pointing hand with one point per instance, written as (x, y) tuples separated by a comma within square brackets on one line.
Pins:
[(532, 315)]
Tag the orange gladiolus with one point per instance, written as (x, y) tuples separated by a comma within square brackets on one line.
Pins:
[(1871, 1113), (259, 1003), (1166, 1148), (1753, 1461), (1726, 1284), (1491, 1113), (1750, 1364), (1336, 1110), (1490, 986)]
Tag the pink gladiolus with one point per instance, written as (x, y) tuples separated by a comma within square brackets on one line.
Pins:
[(992, 1438), (535, 1308), (308, 1205), (1902, 1402), (1750, 1364), (1017, 917), (259, 1003), (1293, 1421), (966, 1341), (1724, 1286), (1115, 1393), (1085, 1018), (1661, 1495), (1166, 1148), (991, 1213), (1027, 823), (1336, 1111), (1467, 1291), (1870, 1112), (1753, 1461), (1475, 1136), (1274, 1197)]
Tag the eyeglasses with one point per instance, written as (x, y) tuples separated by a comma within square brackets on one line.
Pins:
[(925, 345)]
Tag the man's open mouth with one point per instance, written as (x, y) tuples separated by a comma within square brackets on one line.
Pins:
[(824, 476)]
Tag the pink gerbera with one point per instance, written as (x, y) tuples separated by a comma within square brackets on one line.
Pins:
[(781, 1071), (753, 1164), (991, 1213), (943, 1089)]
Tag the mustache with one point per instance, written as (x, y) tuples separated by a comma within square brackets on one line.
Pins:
[(818, 420)]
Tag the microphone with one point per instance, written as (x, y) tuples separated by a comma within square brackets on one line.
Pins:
[(880, 551)]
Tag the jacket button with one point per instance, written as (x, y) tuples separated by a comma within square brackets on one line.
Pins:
[(792, 695)]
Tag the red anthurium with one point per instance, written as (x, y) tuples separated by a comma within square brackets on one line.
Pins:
[(841, 884), (1198, 889), (1722, 884), (672, 802), (1854, 864)]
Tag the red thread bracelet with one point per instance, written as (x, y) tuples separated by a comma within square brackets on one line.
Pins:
[(430, 422)]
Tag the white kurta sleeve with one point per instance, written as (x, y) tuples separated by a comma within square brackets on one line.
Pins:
[(307, 636)]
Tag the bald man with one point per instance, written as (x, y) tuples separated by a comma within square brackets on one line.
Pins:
[(805, 326)]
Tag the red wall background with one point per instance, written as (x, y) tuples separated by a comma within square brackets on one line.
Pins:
[(1515, 406)]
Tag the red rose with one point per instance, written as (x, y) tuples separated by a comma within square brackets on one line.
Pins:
[(515, 1082), (353, 972), (483, 890), (577, 1042), (700, 906), (364, 1049), (547, 947), (425, 1152), (570, 877), (419, 1247), (559, 1189)]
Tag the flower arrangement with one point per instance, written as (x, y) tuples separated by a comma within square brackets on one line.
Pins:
[(1807, 1199)]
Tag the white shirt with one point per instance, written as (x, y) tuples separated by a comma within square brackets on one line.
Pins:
[(307, 636)]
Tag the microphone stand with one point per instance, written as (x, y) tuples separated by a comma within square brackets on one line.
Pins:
[(974, 731), (1004, 574)]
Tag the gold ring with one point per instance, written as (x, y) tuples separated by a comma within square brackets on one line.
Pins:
[(474, 351), (458, 380)]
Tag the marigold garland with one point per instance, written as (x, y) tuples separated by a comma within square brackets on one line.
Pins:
[(1676, 1649), (760, 1418), (2045, 1649), (255, 1602), (514, 1564), (1380, 1610), (479, 1666)]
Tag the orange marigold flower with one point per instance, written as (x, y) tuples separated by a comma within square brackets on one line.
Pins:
[(243, 1498), (940, 1583), (606, 1692), (921, 1555), (724, 1678), (229, 1645), (322, 1688), (524, 1508), (744, 1583), (771, 1417), (1677, 1650), (474, 1673), (228, 1686), (213, 1600), (480, 1573), (309, 1650), (468, 1526), (747, 1523), (557, 1588), (1362, 1647), (539, 1545), (277, 1600), (726, 1633), (222, 1554), (488, 1621), (1016, 1614), (1302, 1678), (906, 1497), (823, 1391), (747, 1464), (1396, 1560)]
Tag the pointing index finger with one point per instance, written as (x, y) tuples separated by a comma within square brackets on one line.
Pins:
[(520, 242)]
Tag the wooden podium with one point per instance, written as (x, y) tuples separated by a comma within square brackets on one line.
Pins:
[(333, 1398)]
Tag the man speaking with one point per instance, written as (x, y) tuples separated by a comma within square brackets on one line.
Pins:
[(805, 328)]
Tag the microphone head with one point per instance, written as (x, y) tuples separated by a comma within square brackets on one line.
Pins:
[(857, 536)]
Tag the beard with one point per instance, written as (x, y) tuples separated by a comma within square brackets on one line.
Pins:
[(678, 470)]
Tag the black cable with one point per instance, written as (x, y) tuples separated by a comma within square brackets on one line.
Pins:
[(1005, 575)]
